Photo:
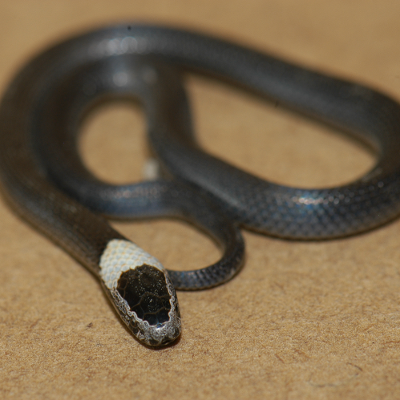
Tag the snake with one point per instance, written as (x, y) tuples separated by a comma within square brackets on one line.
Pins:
[(46, 182)]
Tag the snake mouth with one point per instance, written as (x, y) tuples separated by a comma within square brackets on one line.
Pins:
[(156, 336)]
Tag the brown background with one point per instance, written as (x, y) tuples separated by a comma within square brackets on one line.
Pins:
[(302, 320)]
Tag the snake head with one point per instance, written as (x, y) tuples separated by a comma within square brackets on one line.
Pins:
[(141, 292)]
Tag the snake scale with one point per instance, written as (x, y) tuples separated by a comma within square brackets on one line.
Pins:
[(45, 181)]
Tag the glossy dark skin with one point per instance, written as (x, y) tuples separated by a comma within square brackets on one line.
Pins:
[(45, 181)]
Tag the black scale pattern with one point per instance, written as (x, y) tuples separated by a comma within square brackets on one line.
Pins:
[(144, 288)]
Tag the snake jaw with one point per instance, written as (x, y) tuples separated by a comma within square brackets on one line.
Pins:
[(141, 292)]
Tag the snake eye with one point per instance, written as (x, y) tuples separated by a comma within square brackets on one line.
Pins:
[(145, 290)]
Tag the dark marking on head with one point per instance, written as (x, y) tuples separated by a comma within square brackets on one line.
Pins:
[(145, 290)]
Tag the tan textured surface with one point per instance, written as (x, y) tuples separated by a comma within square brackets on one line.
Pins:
[(302, 320)]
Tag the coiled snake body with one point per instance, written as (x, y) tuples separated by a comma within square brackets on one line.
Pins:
[(46, 182)]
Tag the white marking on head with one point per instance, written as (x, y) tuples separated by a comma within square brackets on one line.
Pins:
[(120, 256)]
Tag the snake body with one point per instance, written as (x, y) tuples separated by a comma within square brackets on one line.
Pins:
[(46, 182)]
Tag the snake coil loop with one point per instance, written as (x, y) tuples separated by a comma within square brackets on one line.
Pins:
[(46, 182)]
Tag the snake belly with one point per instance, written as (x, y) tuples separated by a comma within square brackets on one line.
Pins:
[(139, 287)]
